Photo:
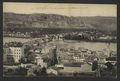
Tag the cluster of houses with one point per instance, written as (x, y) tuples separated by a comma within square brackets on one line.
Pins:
[(81, 55), (29, 34), (90, 35), (13, 52), (17, 34)]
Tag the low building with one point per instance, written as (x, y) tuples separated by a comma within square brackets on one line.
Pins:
[(78, 59), (105, 37), (52, 71), (38, 51), (27, 66), (39, 61), (61, 66), (113, 54), (30, 72)]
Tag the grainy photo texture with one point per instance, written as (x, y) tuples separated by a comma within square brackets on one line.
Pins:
[(59, 40)]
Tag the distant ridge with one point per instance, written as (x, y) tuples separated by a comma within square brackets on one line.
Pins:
[(58, 21)]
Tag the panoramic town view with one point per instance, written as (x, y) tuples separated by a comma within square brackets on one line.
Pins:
[(59, 40)]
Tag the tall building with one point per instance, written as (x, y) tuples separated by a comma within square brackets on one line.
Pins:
[(17, 52), (13, 54)]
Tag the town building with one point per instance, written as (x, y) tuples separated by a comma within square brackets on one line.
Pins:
[(39, 61), (78, 59), (13, 54), (52, 71)]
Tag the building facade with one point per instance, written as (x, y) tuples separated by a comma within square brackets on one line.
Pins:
[(13, 54)]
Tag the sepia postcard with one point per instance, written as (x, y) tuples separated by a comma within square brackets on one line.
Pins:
[(59, 40)]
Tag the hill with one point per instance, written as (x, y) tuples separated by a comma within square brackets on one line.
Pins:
[(13, 20)]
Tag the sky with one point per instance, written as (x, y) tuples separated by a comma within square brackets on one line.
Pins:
[(62, 9)]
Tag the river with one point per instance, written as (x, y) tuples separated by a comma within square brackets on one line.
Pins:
[(71, 43), (94, 46)]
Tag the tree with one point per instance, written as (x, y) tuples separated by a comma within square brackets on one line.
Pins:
[(37, 71), (31, 58), (27, 48), (21, 71), (43, 71), (40, 71), (23, 60), (54, 59)]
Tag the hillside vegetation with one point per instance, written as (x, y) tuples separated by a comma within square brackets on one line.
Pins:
[(12, 20)]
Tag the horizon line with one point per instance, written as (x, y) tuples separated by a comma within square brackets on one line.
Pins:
[(58, 14)]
